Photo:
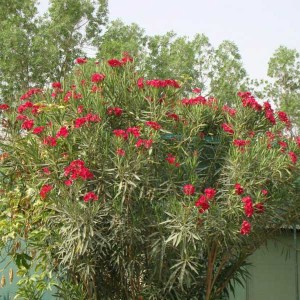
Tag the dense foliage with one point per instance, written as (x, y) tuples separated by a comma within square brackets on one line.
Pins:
[(116, 186)]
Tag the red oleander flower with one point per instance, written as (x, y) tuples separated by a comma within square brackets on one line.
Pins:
[(23, 107), (68, 182), (120, 133), (298, 141), (93, 118), (28, 124), (229, 110), (80, 60), (194, 101), (259, 207), (283, 145), (264, 192), (153, 125), (79, 122), (50, 141), (249, 101), (172, 116), (284, 118), (293, 157), (4, 106), (171, 159), (248, 206), (80, 109), (63, 132), (45, 189), (196, 90), (126, 59), (269, 114), (140, 83), (38, 130), (46, 171), (227, 128), (135, 131), (117, 111), (77, 169), (238, 189), (159, 83), (246, 228), (120, 152), (56, 85), (210, 193), (202, 203), (189, 189), (115, 63), (240, 143), (30, 93), (146, 143), (90, 196), (97, 77)]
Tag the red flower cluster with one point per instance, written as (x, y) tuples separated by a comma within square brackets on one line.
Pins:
[(120, 133), (90, 196), (238, 189), (97, 77), (248, 206), (63, 132), (293, 157), (135, 131), (159, 83), (50, 141), (173, 116), (194, 101), (171, 159), (27, 105), (153, 125), (196, 90), (4, 106), (259, 207), (241, 144), (269, 113), (231, 111), (118, 63), (249, 101), (38, 130), (246, 228), (227, 128), (75, 170), (117, 111), (120, 152), (56, 85), (146, 143), (28, 124), (203, 201), (140, 83), (45, 189), (93, 118), (284, 118), (72, 95), (30, 93), (80, 60), (188, 189)]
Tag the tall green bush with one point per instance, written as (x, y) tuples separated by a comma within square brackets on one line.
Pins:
[(115, 186)]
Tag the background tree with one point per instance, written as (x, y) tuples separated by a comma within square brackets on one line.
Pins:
[(36, 50), (228, 72), (284, 87)]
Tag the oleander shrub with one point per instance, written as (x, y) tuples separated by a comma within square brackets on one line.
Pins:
[(116, 186)]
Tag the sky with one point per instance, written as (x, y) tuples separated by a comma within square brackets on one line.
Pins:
[(257, 27)]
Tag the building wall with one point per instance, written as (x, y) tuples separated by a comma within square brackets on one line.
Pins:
[(273, 271)]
